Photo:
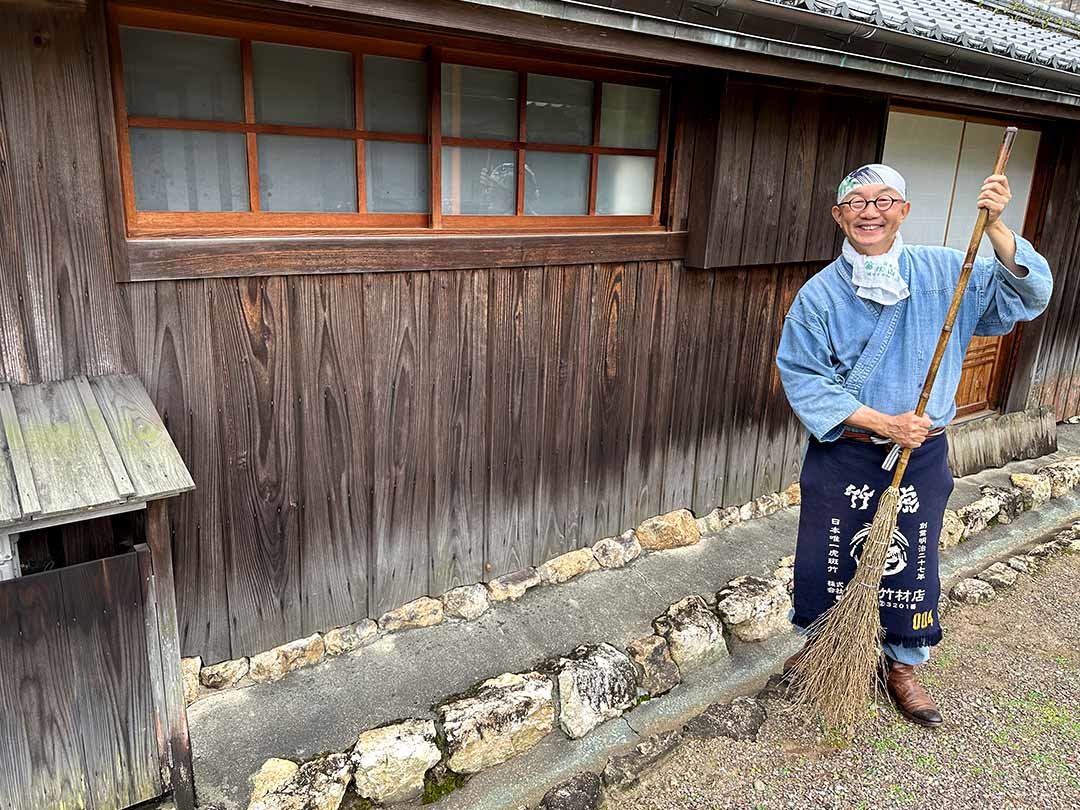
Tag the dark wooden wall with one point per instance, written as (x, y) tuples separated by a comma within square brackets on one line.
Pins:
[(360, 440), (59, 304), (1048, 367), (767, 161), (78, 728)]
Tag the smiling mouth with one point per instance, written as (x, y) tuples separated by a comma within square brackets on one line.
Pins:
[(869, 228)]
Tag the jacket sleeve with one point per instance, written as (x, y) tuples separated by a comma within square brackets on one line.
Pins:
[(814, 389), (1011, 299)]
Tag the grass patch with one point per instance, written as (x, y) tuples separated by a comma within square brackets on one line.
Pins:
[(945, 659), (928, 763), (1039, 715), (884, 745), (837, 739), (902, 795)]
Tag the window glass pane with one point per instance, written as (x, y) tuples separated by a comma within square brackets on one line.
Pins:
[(479, 102), (559, 110), (980, 147), (478, 181), (172, 75), (556, 183), (303, 86), (624, 184), (629, 116), (182, 170), (923, 149), (395, 95), (306, 174), (397, 177)]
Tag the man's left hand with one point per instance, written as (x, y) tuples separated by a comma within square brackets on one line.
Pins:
[(994, 196)]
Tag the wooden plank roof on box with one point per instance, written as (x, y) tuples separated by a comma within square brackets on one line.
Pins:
[(81, 446)]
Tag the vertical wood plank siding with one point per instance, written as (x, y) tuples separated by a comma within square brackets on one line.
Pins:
[(469, 424), (1055, 380), (59, 308), (766, 163), (78, 726)]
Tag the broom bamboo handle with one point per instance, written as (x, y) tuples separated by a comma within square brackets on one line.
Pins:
[(958, 296)]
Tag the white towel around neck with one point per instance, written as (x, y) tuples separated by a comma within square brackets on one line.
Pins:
[(877, 278)]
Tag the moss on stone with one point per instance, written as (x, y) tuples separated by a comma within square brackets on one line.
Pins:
[(435, 787)]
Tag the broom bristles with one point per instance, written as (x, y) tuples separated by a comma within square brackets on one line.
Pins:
[(835, 677)]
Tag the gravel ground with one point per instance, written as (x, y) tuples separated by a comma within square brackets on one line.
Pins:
[(1007, 679)]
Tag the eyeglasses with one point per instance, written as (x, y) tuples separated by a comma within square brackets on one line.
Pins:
[(881, 204)]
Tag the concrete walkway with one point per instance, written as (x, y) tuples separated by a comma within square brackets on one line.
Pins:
[(403, 675)]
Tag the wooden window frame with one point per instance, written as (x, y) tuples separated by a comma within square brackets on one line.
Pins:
[(255, 222)]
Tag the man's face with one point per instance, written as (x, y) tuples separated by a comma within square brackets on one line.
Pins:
[(871, 231)]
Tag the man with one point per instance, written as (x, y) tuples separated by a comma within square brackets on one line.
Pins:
[(854, 352)]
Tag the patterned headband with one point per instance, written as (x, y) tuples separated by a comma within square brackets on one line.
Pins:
[(870, 175)]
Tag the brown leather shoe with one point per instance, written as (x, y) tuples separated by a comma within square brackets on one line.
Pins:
[(909, 696)]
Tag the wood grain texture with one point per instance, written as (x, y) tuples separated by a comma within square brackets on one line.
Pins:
[(69, 471), (799, 178), (743, 378), (766, 162), (14, 363), (994, 441), (830, 167), (795, 433), (516, 318), (144, 448), (173, 345), (106, 444), (770, 411), (694, 321), (20, 473), (181, 779), (159, 716), (97, 47), (731, 184), (157, 259), (505, 416), (610, 398), (459, 402), (564, 341), (106, 635), (10, 507), (71, 316), (397, 374), (40, 739), (651, 380), (723, 355), (257, 438), (768, 176), (1056, 375), (327, 353)]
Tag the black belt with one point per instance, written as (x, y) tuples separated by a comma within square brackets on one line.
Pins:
[(870, 437)]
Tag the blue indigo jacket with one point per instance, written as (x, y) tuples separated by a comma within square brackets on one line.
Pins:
[(839, 351)]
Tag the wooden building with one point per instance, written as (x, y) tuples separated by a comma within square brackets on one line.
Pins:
[(429, 291)]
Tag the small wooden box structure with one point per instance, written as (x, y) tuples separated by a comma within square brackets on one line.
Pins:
[(93, 710)]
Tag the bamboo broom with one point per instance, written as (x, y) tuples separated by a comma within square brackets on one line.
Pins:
[(836, 674)]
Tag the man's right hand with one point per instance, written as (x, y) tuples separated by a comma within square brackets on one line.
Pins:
[(907, 429)]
